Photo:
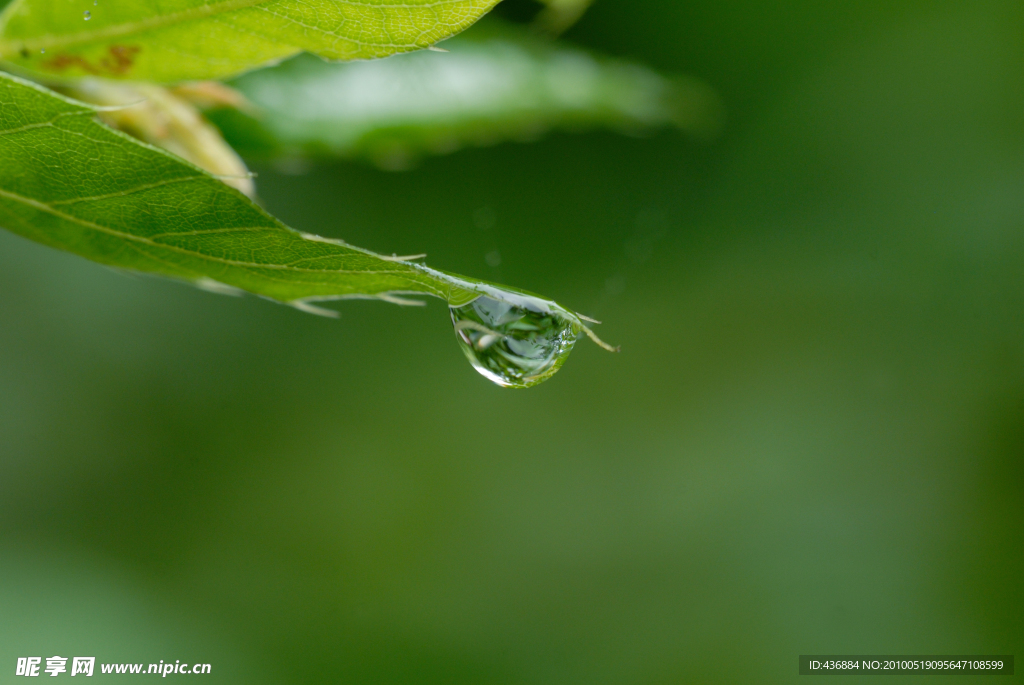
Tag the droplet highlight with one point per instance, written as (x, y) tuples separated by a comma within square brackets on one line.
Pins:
[(516, 345)]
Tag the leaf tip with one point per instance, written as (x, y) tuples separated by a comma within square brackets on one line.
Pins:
[(601, 343)]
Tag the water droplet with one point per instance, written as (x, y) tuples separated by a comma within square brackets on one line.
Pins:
[(514, 345), (88, 15), (42, 51)]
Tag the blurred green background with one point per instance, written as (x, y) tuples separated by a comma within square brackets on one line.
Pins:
[(812, 442)]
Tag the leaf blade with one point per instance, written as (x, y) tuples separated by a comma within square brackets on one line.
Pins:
[(72, 183), (175, 40)]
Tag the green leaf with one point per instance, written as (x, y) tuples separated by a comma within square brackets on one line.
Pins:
[(172, 40), (495, 83), (72, 183)]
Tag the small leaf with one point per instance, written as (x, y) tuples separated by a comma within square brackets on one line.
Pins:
[(495, 83), (72, 183), (173, 40)]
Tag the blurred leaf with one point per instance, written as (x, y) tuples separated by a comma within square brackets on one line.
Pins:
[(495, 83), (74, 184), (173, 40), (559, 15)]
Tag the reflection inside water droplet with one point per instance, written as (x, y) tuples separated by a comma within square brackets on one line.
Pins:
[(88, 15), (514, 345)]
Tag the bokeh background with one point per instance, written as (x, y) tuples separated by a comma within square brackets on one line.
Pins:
[(812, 442)]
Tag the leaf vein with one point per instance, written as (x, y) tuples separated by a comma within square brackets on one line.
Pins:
[(42, 124), (125, 193)]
